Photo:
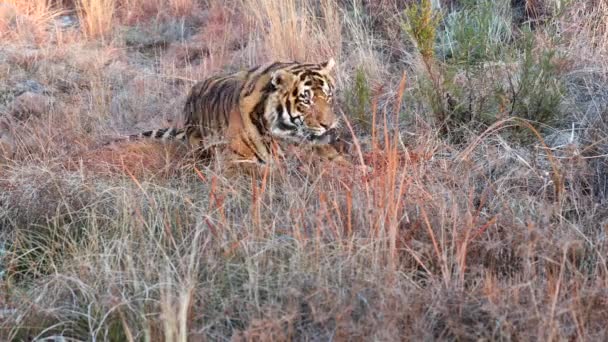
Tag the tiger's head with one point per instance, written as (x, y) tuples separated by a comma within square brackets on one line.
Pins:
[(320, 121), (301, 105)]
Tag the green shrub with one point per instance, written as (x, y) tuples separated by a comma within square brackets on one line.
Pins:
[(421, 24), (480, 31), (538, 94), (358, 98), (526, 85)]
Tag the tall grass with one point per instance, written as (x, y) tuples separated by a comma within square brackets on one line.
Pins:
[(477, 32), (296, 30), (97, 17), (182, 7), (488, 237), (27, 20), (585, 28)]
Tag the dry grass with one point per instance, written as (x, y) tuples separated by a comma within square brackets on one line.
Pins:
[(587, 29), (96, 17), (480, 237), (27, 20), (291, 30)]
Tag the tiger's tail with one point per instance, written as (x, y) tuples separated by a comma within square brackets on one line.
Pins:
[(162, 134), (172, 133)]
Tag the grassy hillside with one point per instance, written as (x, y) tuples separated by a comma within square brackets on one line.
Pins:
[(484, 214)]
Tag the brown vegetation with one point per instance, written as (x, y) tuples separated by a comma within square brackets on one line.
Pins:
[(484, 215)]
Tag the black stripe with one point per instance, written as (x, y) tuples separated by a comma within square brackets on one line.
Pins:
[(270, 67), (268, 88), (303, 68), (290, 111), (279, 110), (257, 74), (250, 87), (159, 133), (291, 108), (285, 127), (260, 123), (251, 146)]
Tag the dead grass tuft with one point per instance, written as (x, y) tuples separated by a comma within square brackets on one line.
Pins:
[(135, 160), (290, 30), (96, 17), (484, 237), (30, 20)]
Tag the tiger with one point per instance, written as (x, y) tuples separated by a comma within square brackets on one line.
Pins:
[(246, 110)]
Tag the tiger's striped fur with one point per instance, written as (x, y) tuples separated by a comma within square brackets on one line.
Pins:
[(285, 100)]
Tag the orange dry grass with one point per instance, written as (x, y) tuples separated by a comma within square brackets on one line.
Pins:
[(27, 19), (437, 242), (134, 11), (36, 9), (96, 17), (136, 159), (290, 32)]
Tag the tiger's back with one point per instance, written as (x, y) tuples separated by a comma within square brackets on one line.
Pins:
[(208, 108)]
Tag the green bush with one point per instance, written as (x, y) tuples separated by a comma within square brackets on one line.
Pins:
[(421, 24), (526, 85), (501, 75), (358, 98), (480, 31), (538, 94)]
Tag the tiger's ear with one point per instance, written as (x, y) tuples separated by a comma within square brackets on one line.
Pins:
[(282, 79), (328, 66)]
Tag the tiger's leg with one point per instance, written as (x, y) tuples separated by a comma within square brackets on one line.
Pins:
[(243, 151), (244, 140), (239, 159), (252, 136)]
